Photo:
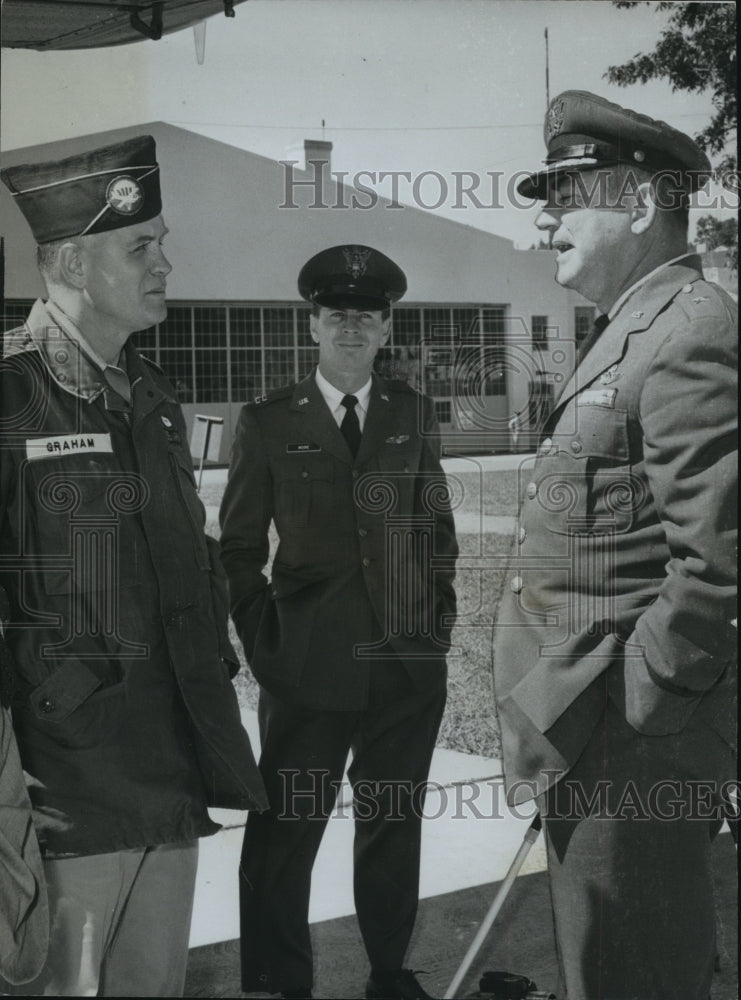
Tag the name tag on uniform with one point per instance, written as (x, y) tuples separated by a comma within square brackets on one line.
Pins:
[(67, 444), (293, 449), (598, 397)]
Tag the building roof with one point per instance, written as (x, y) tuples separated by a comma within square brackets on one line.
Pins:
[(233, 238)]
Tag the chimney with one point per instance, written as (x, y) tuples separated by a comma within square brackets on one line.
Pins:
[(317, 151)]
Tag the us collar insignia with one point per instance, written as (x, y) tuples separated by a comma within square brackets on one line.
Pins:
[(555, 118), (384, 397), (166, 421), (356, 260), (610, 375), (304, 401), (397, 439), (124, 195)]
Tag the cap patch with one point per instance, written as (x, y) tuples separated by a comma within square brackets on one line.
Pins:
[(356, 260), (554, 121), (124, 195)]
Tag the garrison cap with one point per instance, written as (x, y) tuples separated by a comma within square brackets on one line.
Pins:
[(352, 277), (586, 132), (92, 192)]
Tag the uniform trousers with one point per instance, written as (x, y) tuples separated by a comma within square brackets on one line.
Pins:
[(630, 875), (304, 752), (120, 923)]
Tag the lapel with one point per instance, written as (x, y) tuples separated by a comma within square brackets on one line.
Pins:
[(316, 420), (380, 421), (636, 316)]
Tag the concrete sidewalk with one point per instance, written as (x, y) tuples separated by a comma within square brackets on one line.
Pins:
[(467, 827)]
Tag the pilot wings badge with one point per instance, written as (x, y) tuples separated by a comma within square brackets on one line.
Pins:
[(356, 260)]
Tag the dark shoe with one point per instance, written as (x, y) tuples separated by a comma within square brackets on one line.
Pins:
[(401, 985), (300, 994)]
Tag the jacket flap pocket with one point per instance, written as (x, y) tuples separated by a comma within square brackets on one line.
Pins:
[(67, 688), (601, 432)]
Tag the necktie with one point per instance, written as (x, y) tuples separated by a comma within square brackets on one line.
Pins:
[(586, 345), (350, 425)]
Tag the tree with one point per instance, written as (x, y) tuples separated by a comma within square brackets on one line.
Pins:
[(715, 233), (696, 52)]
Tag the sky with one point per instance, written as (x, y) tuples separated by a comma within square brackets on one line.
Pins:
[(438, 89)]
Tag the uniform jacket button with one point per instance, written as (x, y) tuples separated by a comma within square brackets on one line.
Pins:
[(516, 584), (304, 474), (362, 532), (366, 561), (46, 705), (355, 473), (532, 491), (545, 446), (576, 446), (521, 536)]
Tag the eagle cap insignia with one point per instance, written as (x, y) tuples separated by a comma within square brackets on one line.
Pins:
[(356, 260), (124, 195), (554, 119)]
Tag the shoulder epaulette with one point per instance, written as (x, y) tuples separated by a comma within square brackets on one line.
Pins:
[(284, 392), (701, 299)]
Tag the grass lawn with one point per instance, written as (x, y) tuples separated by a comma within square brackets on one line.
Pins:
[(470, 722)]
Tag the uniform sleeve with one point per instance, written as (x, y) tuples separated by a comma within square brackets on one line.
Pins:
[(246, 512), (445, 543), (688, 414)]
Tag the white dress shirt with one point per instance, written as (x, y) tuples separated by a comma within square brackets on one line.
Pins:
[(333, 398)]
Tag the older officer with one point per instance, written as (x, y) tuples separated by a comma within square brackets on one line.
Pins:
[(126, 719), (348, 640), (615, 672)]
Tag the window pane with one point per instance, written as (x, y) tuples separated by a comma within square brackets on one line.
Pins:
[(466, 323), (539, 329), (209, 325), (279, 368), (303, 315), (244, 327), (278, 326), (406, 325), (583, 319), (494, 320), (176, 330), (211, 380), (146, 342), (178, 366), (15, 312), (307, 359), (246, 374), (437, 324), (442, 409)]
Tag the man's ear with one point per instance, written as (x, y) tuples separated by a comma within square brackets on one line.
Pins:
[(643, 213), (312, 328), (71, 265), (386, 331)]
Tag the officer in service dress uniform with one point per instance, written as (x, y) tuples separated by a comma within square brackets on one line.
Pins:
[(615, 666), (126, 720), (348, 639)]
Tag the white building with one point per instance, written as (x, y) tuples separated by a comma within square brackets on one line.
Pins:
[(483, 328)]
